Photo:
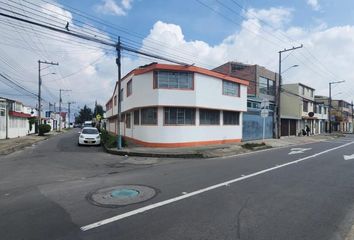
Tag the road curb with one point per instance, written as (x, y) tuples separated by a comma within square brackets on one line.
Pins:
[(201, 154), (20, 146), (156, 155)]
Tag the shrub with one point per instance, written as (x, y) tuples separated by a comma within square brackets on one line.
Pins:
[(252, 145), (110, 140), (31, 121), (43, 128)]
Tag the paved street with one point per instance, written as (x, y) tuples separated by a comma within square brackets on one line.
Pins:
[(263, 195)]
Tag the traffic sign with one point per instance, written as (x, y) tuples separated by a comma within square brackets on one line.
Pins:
[(265, 103), (264, 113), (98, 117)]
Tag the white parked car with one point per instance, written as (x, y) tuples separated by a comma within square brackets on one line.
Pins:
[(89, 136)]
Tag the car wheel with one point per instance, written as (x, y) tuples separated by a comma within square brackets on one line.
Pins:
[(78, 144)]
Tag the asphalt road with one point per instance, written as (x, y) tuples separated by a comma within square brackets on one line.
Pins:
[(264, 195)]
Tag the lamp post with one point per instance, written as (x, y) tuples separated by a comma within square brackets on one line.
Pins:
[(39, 85), (293, 66)]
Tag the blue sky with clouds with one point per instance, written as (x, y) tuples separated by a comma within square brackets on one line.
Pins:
[(199, 22), (207, 35)]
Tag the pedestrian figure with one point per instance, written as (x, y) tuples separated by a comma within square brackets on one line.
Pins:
[(307, 130)]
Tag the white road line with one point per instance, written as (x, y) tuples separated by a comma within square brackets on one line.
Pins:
[(188, 195)]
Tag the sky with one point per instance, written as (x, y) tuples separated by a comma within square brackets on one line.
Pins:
[(207, 33)]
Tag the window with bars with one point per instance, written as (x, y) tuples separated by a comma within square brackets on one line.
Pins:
[(231, 118), (174, 80), (209, 117), (149, 116), (179, 116), (230, 88), (136, 117)]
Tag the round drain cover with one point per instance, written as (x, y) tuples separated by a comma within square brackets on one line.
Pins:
[(124, 193), (121, 195)]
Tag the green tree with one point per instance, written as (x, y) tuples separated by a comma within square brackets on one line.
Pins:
[(85, 114), (98, 110)]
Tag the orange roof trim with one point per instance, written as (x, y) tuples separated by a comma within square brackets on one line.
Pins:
[(195, 69)]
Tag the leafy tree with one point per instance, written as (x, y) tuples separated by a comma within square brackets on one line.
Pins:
[(98, 110), (85, 114)]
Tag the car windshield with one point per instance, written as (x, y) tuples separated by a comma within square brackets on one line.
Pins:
[(90, 131)]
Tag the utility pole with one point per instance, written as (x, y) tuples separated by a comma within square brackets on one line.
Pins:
[(39, 86), (69, 103), (60, 101), (278, 95), (351, 124), (118, 62), (330, 105)]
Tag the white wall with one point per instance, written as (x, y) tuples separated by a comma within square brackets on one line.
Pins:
[(178, 134), (18, 127), (207, 93)]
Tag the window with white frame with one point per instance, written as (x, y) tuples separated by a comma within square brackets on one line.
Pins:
[(129, 88), (174, 80), (179, 116), (230, 88)]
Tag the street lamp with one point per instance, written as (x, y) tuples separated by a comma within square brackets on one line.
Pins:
[(293, 66), (53, 73), (330, 105)]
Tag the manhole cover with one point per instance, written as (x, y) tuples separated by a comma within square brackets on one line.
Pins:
[(121, 195), (124, 193)]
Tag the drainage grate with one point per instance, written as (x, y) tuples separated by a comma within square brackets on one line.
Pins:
[(121, 195)]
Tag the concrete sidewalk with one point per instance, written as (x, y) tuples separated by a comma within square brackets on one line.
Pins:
[(11, 145), (210, 151)]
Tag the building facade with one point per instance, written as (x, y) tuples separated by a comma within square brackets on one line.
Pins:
[(299, 109), (13, 120), (262, 86), (342, 116), (174, 106)]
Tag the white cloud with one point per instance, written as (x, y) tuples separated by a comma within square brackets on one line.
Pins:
[(333, 46), (276, 17), (314, 4), (127, 4), (111, 7), (262, 49)]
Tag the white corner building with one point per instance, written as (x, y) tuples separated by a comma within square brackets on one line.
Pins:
[(167, 105)]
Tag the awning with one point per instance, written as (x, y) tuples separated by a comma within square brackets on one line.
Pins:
[(309, 118)]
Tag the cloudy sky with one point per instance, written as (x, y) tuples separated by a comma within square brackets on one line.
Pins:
[(205, 32)]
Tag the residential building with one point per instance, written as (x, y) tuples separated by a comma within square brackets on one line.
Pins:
[(173, 106), (342, 116), (298, 109), (13, 121), (262, 86)]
